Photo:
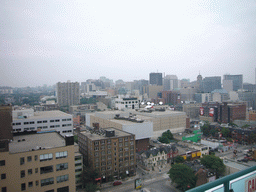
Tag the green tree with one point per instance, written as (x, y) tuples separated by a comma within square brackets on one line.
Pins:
[(225, 132), (183, 176), (206, 128), (213, 162), (90, 187), (89, 174), (179, 159), (166, 137), (75, 138), (245, 126), (232, 124)]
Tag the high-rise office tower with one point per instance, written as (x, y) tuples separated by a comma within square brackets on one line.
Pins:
[(237, 81), (170, 82), (68, 93), (155, 79), (209, 84)]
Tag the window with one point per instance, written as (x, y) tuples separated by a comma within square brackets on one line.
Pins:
[(45, 127), (31, 122), (25, 123), (36, 157), (63, 189), (96, 148), (29, 158), (78, 164), (62, 154), (36, 170), (29, 171), (22, 160), (96, 154), (48, 181), (120, 140), (52, 120), (44, 121), (57, 120), (61, 166), (3, 176), (39, 121), (22, 173), (2, 163), (68, 119), (23, 186), (79, 170), (64, 119), (52, 190), (18, 123), (46, 157), (46, 169), (37, 183), (78, 158), (30, 184), (4, 189), (131, 142), (62, 178)]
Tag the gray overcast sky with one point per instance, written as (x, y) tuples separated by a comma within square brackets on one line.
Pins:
[(43, 42)]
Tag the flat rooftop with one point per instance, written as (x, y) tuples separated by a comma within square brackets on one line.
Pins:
[(24, 143), (95, 136), (236, 165), (165, 113), (46, 114)]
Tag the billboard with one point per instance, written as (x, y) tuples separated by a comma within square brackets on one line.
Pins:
[(245, 183), (211, 112), (201, 111), (138, 183)]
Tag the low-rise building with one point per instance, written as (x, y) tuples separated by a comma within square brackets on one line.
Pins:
[(156, 157), (27, 120), (110, 150), (38, 162)]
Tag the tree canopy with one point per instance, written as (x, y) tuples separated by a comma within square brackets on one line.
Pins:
[(89, 175), (166, 137), (179, 159), (206, 129), (213, 162), (225, 132), (183, 176)]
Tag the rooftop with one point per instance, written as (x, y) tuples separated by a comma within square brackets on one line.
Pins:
[(46, 114), (24, 143), (94, 135)]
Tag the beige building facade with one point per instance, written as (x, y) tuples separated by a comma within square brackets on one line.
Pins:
[(38, 162)]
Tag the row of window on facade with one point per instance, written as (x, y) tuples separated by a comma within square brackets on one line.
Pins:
[(126, 102), (45, 157), (96, 148), (43, 127), (45, 182), (46, 169), (102, 142), (42, 121), (109, 152)]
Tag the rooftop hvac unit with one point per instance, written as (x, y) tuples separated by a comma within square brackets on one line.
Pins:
[(110, 133)]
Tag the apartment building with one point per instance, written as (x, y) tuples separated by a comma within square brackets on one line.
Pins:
[(68, 93), (27, 120), (38, 162), (109, 150)]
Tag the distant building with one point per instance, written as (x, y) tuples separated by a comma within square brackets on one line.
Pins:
[(229, 112), (228, 85), (28, 121), (209, 84), (68, 94), (252, 115), (170, 82), (127, 103), (109, 150), (152, 91), (219, 95), (237, 81), (156, 79)]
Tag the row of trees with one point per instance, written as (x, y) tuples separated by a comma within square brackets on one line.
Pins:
[(185, 177)]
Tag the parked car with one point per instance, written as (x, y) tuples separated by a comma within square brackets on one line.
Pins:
[(243, 160), (117, 183), (249, 158)]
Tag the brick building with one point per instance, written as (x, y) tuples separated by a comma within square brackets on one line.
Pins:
[(109, 150)]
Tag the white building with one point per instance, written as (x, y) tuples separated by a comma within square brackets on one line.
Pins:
[(28, 120), (127, 103)]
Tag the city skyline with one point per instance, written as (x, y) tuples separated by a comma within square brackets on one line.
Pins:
[(49, 42)]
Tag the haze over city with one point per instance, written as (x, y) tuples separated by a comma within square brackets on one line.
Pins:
[(44, 42)]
